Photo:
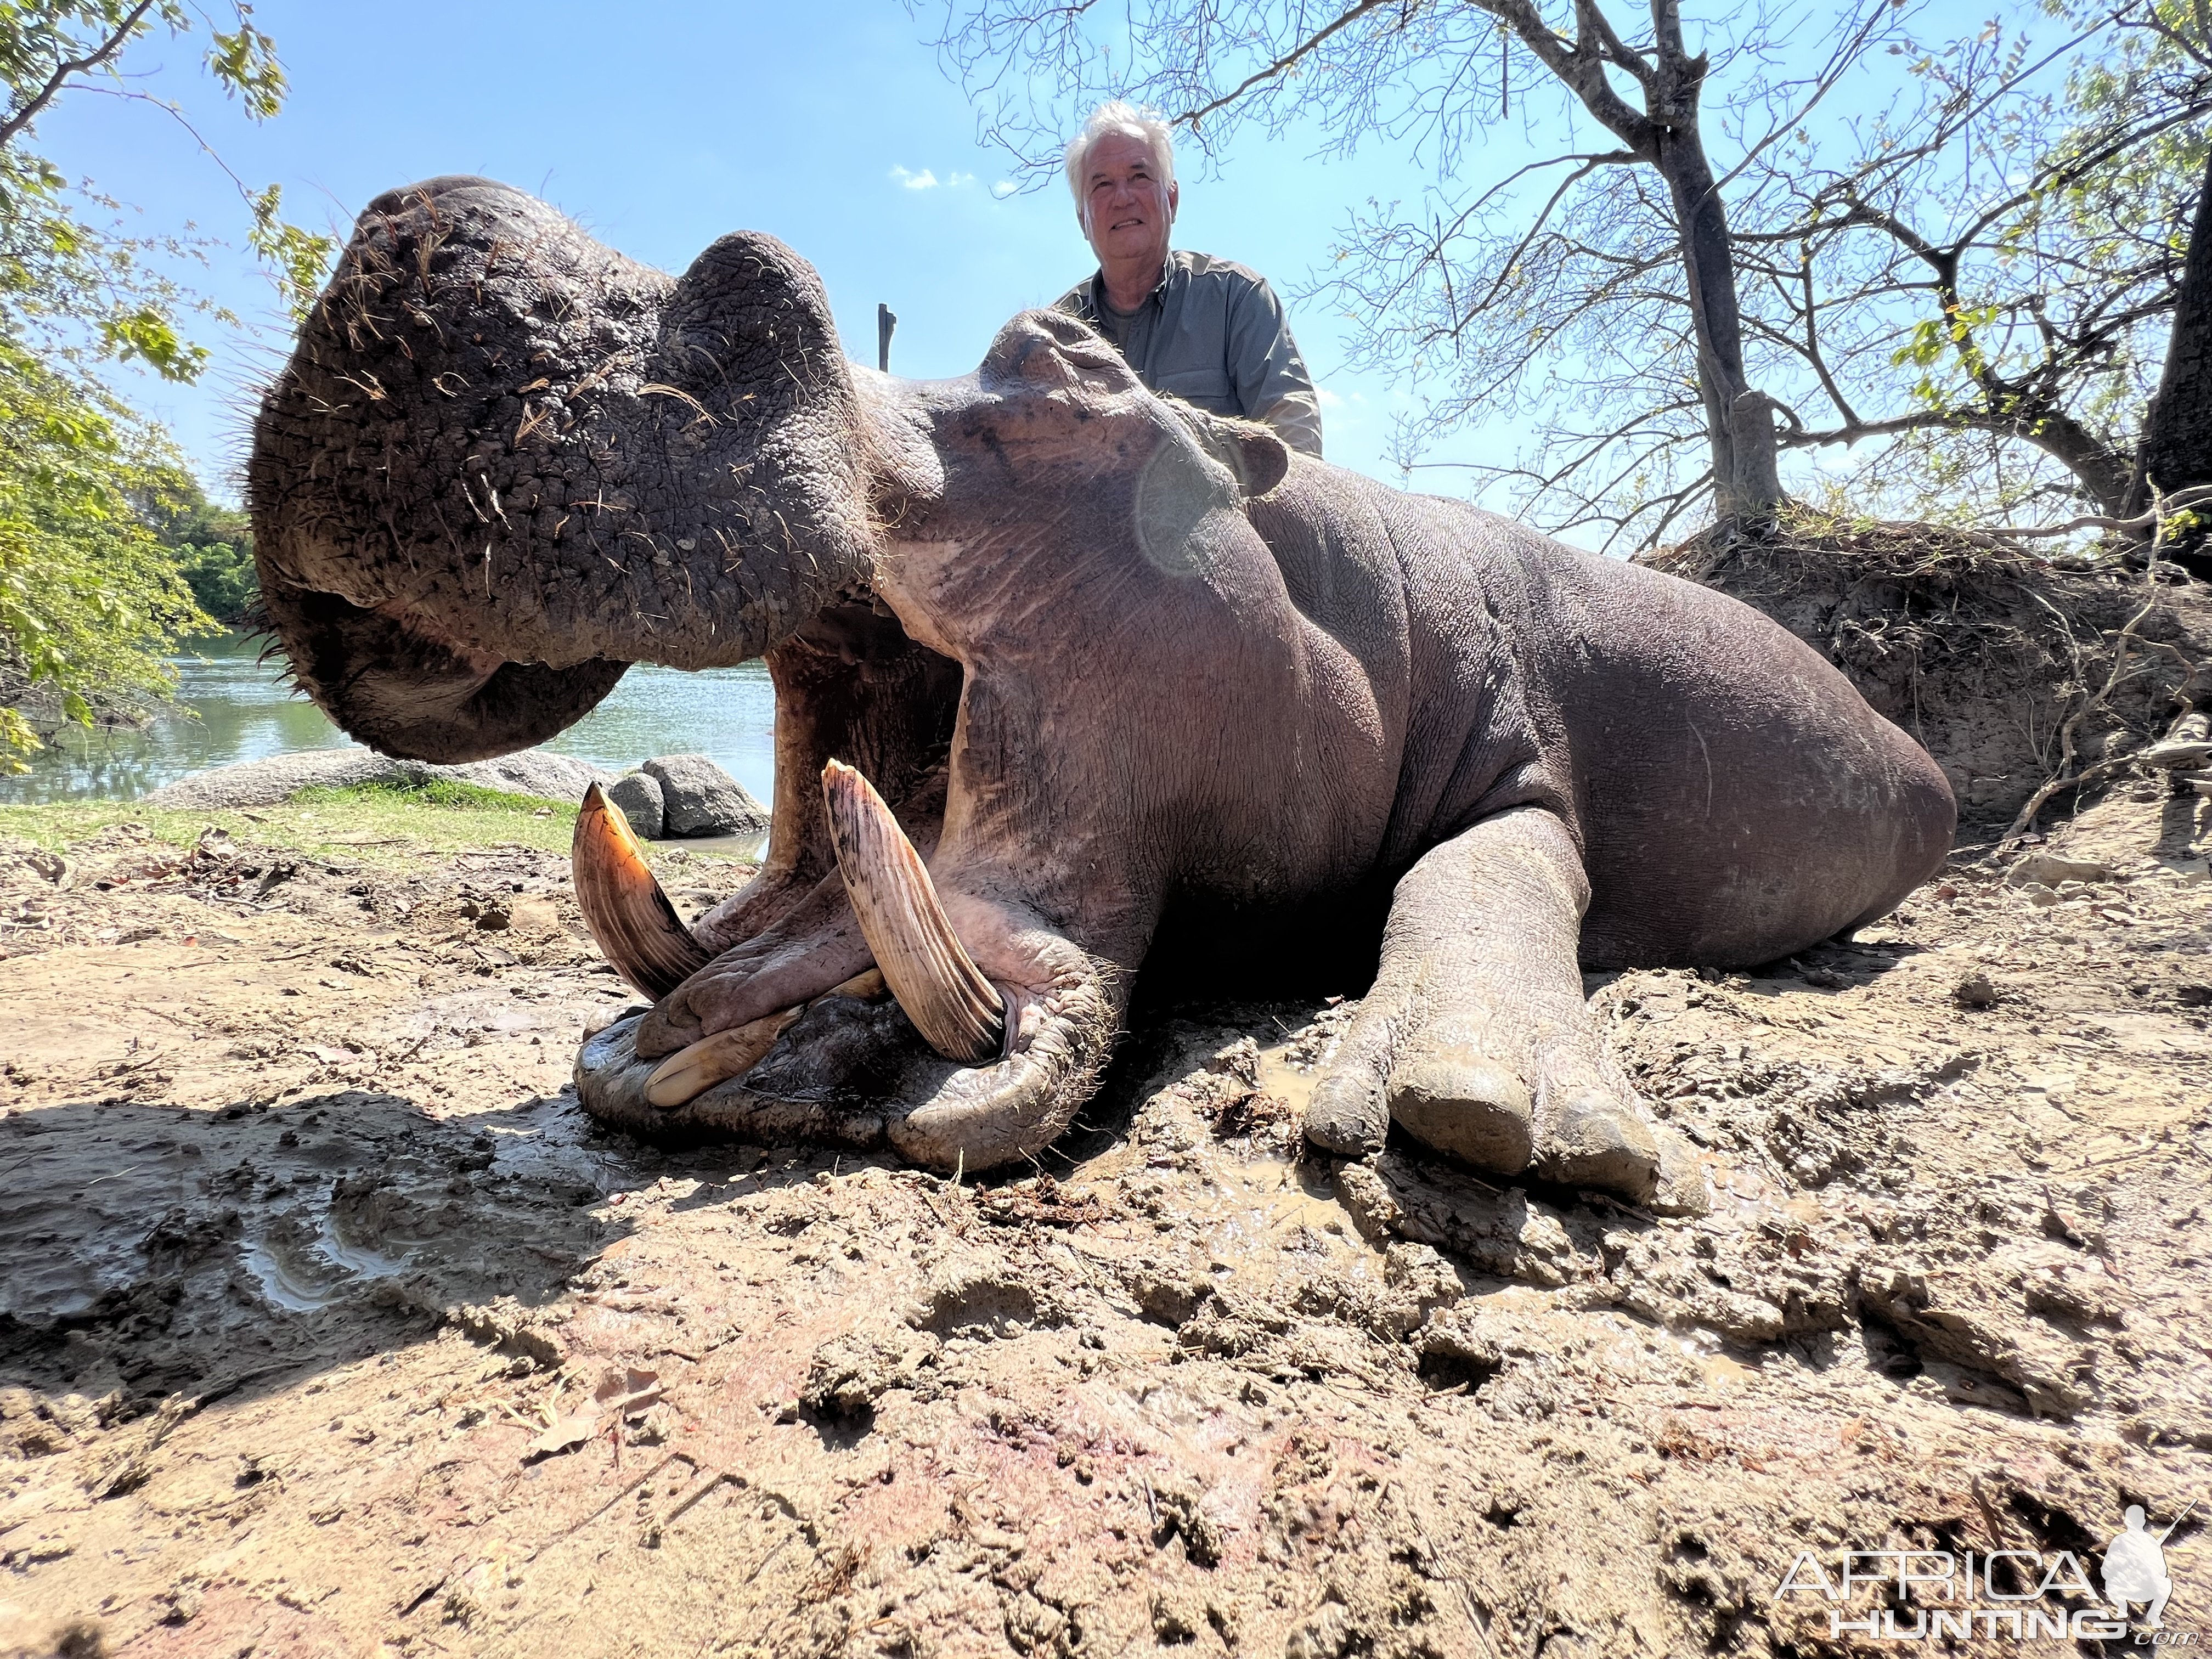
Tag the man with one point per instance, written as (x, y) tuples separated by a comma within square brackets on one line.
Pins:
[(1193, 326)]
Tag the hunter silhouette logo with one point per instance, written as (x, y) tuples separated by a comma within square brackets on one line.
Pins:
[(2021, 1594), (2134, 1567)]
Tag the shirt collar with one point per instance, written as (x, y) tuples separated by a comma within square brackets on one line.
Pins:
[(1169, 268)]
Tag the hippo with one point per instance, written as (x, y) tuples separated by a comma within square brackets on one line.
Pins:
[(1075, 686)]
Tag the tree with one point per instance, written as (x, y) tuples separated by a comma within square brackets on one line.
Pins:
[(1991, 277), (2175, 452), (88, 602), (210, 545)]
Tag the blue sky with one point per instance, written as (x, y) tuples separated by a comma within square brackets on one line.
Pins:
[(659, 127)]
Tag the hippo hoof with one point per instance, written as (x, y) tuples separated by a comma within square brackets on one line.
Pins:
[(1599, 1141), (1347, 1116), (1471, 1107)]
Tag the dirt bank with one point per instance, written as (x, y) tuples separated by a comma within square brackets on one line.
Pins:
[(331, 1327)]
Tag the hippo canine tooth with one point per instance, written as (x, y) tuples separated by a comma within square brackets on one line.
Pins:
[(629, 916), (689, 1072), (959, 1012)]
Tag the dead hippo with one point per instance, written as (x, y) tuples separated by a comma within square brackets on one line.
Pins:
[(1070, 683)]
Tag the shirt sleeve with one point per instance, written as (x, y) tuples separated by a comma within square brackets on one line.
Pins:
[(1270, 377)]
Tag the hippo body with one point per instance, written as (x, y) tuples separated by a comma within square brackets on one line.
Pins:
[(1732, 798), (1069, 679)]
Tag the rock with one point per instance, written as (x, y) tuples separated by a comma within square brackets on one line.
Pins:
[(531, 772), (639, 795), (2187, 746), (277, 778), (698, 798), (1976, 990), (2048, 869), (2176, 755)]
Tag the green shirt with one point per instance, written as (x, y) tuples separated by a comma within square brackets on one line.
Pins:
[(1214, 334)]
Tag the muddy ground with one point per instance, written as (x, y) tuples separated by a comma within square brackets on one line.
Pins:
[(331, 1327)]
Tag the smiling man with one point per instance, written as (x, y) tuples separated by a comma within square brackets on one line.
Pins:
[(1204, 330)]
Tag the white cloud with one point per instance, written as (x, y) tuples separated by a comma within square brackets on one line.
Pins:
[(1004, 188), (1328, 399), (927, 179)]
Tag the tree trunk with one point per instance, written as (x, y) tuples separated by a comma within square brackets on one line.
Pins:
[(1747, 484), (2103, 473), (2176, 452)]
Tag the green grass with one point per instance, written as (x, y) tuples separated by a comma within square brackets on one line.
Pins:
[(384, 823), (388, 822), (449, 792)]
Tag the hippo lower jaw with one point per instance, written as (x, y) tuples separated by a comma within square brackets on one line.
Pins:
[(868, 1006), (846, 1067)]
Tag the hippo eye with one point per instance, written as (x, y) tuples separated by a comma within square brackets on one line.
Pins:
[(1098, 360)]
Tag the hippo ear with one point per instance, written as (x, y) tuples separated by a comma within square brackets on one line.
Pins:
[(1258, 459), (1257, 456), (747, 328)]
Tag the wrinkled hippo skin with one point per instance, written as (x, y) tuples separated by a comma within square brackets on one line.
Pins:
[(1147, 692)]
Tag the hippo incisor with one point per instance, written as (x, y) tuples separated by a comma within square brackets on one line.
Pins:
[(1071, 682)]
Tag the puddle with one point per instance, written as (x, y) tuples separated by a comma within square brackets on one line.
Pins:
[(301, 1274), (1280, 1077)]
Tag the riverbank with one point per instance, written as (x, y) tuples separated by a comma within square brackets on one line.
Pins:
[(332, 1324), (233, 708)]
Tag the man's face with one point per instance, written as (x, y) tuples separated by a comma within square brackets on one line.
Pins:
[(1126, 209)]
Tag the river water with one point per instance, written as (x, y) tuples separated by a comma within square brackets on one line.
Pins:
[(230, 707)]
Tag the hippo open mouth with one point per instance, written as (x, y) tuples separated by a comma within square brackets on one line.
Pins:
[(1057, 663)]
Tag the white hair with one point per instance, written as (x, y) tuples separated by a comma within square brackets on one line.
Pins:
[(1118, 117)]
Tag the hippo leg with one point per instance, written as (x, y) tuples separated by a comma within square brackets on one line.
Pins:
[(1476, 1038)]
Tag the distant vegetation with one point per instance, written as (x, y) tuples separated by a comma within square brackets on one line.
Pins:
[(108, 553), (210, 545)]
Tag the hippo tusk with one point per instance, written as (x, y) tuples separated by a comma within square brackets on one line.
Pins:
[(622, 904), (689, 1072), (959, 1012)]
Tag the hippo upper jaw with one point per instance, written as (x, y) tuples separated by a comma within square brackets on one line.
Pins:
[(498, 441)]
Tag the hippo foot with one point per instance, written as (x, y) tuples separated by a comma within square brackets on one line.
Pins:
[(1602, 1142), (1476, 1039), (1557, 1116)]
